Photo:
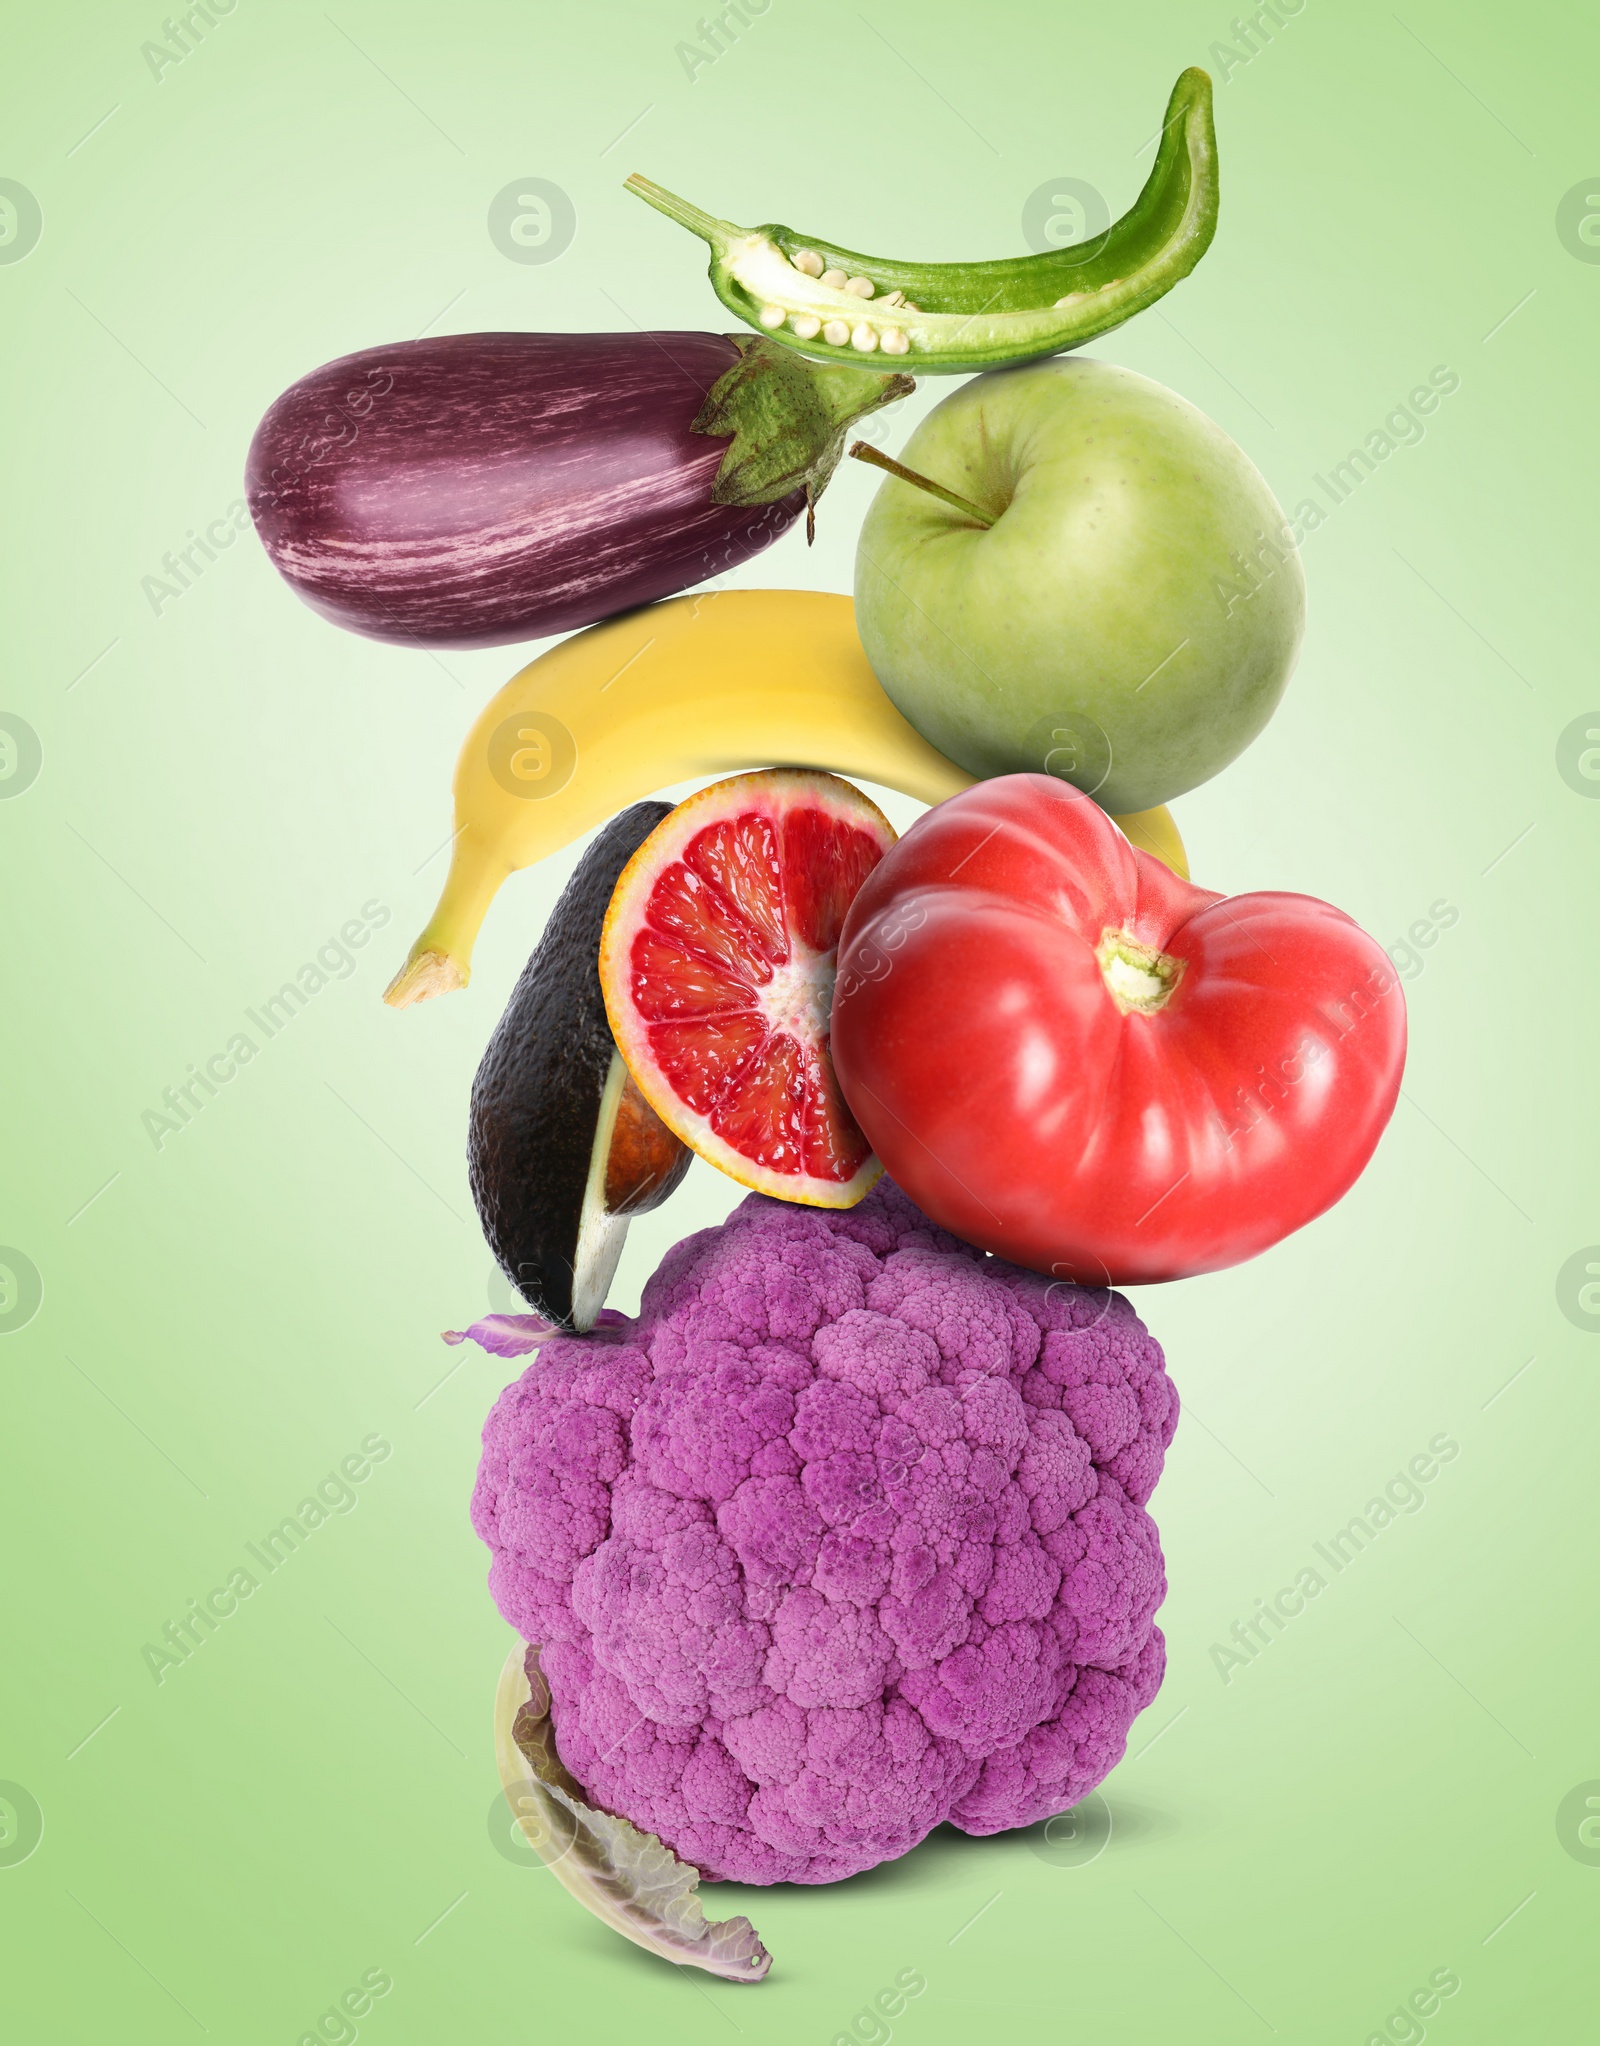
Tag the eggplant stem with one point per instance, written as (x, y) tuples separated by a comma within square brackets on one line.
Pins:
[(862, 452)]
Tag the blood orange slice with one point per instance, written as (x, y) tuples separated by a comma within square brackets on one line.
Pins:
[(717, 963)]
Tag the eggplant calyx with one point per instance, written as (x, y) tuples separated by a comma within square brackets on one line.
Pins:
[(786, 420)]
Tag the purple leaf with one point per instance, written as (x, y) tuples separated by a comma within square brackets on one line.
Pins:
[(514, 1335)]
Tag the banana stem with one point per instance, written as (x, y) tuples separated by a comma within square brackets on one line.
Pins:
[(441, 959), (862, 452)]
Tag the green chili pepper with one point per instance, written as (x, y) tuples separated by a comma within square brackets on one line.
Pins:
[(835, 305)]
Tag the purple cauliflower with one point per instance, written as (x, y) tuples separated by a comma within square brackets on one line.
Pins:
[(843, 1537)]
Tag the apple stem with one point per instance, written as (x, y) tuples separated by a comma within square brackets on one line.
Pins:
[(864, 453)]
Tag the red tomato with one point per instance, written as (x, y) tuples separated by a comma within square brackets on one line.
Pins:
[(1070, 1057)]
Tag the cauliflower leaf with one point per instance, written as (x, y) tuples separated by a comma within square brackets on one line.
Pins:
[(628, 1879)]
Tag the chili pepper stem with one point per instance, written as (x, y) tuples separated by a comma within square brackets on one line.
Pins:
[(706, 225), (863, 453)]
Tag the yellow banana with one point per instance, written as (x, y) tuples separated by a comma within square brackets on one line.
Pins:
[(695, 686)]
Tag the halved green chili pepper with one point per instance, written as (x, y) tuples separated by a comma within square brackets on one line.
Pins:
[(835, 305)]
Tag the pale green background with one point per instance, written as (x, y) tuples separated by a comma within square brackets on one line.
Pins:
[(228, 782)]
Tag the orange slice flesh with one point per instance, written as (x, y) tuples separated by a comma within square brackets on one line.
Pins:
[(717, 963)]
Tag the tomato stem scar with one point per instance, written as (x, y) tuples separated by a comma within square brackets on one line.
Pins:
[(1139, 979)]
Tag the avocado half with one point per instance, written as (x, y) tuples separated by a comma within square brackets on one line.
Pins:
[(562, 1148)]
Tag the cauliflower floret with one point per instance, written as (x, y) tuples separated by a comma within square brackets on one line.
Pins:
[(844, 1537)]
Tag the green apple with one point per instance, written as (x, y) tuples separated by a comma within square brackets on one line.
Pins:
[(1129, 618)]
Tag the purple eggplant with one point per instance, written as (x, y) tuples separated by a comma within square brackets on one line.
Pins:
[(481, 488)]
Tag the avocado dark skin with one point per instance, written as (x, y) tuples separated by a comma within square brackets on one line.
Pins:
[(537, 1097)]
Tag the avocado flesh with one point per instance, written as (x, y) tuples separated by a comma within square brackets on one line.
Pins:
[(630, 1172), (552, 1100)]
